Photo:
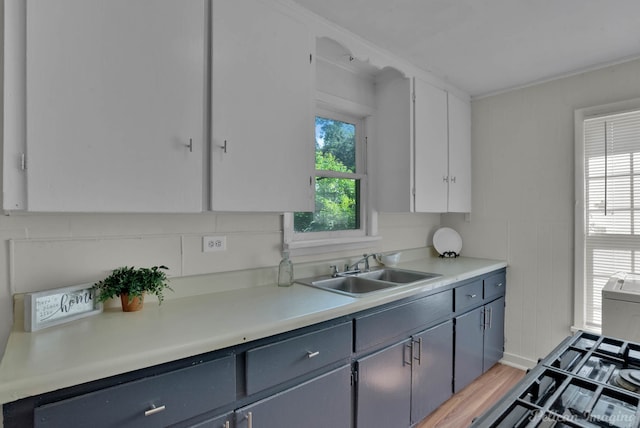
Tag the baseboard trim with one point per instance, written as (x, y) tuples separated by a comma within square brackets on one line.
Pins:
[(518, 361)]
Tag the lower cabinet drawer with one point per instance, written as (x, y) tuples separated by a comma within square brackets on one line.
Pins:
[(380, 327), (155, 401), (494, 285), (272, 364), (468, 296)]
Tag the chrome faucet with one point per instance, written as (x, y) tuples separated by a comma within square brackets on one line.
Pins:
[(334, 271), (355, 266)]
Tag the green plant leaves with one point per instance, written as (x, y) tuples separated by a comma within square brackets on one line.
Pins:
[(133, 281)]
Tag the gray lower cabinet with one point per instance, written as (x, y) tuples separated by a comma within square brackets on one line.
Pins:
[(377, 328), (479, 342), (154, 401), (280, 361), (493, 333), (469, 344), (222, 421), (324, 401), (400, 385), (432, 370), (383, 397)]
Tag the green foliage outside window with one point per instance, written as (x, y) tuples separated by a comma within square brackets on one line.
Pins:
[(337, 202)]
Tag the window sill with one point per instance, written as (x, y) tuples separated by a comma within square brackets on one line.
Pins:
[(320, 246), (588, 329)]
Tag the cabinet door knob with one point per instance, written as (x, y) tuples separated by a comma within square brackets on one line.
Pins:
[(153, 410)]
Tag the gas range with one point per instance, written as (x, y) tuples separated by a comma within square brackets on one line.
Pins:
[(587, 381)]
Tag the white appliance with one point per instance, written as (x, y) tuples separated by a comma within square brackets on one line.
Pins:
[(621, 306)]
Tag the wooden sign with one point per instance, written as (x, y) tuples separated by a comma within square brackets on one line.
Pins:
[(59, 306)]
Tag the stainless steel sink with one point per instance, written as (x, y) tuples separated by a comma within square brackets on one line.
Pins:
[(350, 285), (362, 283), (397, 276)]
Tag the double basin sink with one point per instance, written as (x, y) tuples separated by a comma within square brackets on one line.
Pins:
[(361, 283)]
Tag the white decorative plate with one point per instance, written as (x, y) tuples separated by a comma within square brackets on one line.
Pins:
[(446, 240)]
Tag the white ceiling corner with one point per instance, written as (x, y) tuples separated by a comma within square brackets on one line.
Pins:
[(487, 46)]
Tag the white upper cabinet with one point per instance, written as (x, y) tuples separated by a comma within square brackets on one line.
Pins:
[(262, 118), (459, 200), (422, 150), (431, 151), (442, 150), (115, 105), (391, 149)]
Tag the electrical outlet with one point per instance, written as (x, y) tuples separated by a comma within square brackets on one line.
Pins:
[(214, 243)]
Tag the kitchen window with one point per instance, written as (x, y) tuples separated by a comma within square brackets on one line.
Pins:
[(341, 214), (608, 204)]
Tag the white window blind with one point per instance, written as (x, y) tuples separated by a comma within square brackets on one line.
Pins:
[(612, 203)]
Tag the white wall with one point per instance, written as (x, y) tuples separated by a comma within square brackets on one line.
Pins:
[(523, 198), (48, 251)]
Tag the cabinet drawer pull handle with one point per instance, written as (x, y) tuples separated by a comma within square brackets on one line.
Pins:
[(472, 296), (404, 351), (249, 418), (224, 147), (153, 410), (190, 145), (226, 424), (499, 285), (419, 357), (490, 317), (312, 354)]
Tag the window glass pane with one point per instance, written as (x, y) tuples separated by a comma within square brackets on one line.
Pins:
[(618, 193), (595, 166), (337, 207), (618, 164), (604, 263), (612, 165), (615, 222), (335, 145)]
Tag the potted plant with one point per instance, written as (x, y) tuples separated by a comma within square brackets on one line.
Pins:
[(131, 284)]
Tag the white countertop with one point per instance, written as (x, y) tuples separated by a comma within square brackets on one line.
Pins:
[(115, 342)]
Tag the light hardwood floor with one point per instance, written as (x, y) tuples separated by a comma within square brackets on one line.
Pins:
[(472, 401)]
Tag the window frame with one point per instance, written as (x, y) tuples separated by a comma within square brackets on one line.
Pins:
[(580, 219), (302, 243)]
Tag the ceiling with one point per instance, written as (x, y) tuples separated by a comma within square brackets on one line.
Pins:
[(487, 46)]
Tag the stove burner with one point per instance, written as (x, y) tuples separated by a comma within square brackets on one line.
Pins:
[(628, 379)]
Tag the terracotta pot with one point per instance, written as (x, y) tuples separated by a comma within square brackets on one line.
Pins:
[(135, 304)]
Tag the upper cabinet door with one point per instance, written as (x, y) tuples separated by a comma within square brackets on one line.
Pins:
[(459, 155), (391, 151), (262, 156), (431, 148), (115, 105)]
